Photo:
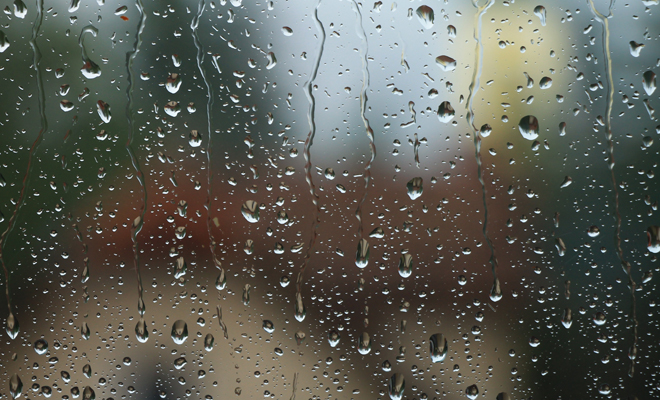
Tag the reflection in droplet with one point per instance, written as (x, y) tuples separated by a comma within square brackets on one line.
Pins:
[(529, 127), (425, 16), (405, 265), (364, 343), (87, 370), (221, 280), (472, 392), (104, 111), (11, 326), (15, 386), (180, 362), (179, 332), (415, 188), (446, 112), (593, 231), (141, 331), (439, 348), (539, 11), (648, 81), (287, 31), (396, 386), (250, 211), (208, 342), (567, 319), (20, 9), (362, 254), (653, 236), (333, 338), (173, 83), (446, 63)]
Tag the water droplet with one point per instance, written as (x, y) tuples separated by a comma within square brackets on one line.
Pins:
[(300, 337), (173, 83), (104, 111), (180, 362), (539, 11), (179, 331), (141, 331), (180, 268), (451, 31), (593, 231), (377, 233), (567, 319), (41, 346), (284, 281), (250, 211), (87, 370), (272, 61), (561, 247), (446, 112), (534, 341), (84, 331), (562, 129), (208, 342), (362, 254), (485, 130), (11, 326), (246, 294), (438, 344), (545, 83), (126, 360), (567, 181), (88, 393), (648, 81), (529, 127), (329, 173), (333, 338), (599, 318), (604, 389), (268, 326), (364, 343), (503, 396), (635, 48), (221, 280), (4, 42), (176, 60), (15, 386), (446, 63), (172, 108), (299, 311), (653, 236), (405, 265), (90, 69), (496, 291), (415, 188), (472, 392), (396, 386), (20, 9), (287, 31), (425, 16), (66, 377)]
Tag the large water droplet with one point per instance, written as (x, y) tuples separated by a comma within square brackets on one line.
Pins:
[(364, 343), (567, 319), (299, 311), (173, 83), (396, 386), (88, 393), (20, 9), (545, 83), (208, 342), (272, 61), (446, 63), (268, 326), (41, 346), (405, 265), (438, 344), (496, 291), (599, 318), (415, 188), (104, 111), (84, 331), (425, 16), (529, 127), (15, 386), (446, 112), (180, 362), (653, 236), (250, 210), (539, 11), (333, 338), (141, 331), (90, 69), (362, 254), (11, 326), (472, 392), (87, 370), (635, 48), (648, 81), (4, 42), (179, 331)]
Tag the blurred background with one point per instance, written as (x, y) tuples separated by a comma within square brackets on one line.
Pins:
[(188, 192)]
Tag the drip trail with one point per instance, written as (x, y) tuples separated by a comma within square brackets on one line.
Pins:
[(139, 221), (12, 322), (496, 293), (300, 313), (604, 21)]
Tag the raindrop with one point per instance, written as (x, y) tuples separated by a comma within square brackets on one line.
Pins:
[(300, 311), (485, 130), (362, 254), (653, 236), (415, 188), (272, 61), (599, 318), (4, 42), (41, 346), (534, 341), (15, 386), (250, 211), (180, 267), (604, 389), (88, 393), (472, 392), (567, 319), (396, 386), (539, 11), (141, 331), (438, 344), (451, 31), (87, 370), (562, 129), (179, 331), (284, 281), (545, 83), (66, 377), (84, 331), (425, 16), (104, 111), (567, 181), (648, 81), (364, 343), (246, 294), (20, 9), (172, 108), (12, 326), (405, 265), (173, 83), (496, 291), (503, 396), (221, 280), (300, 337), (446, 63), (386, 366), (287, 31), (446, 112), (90, 69), (529, 127), (377, 233), (180, 362), (593, 231), (333, 338), (635, 48), (268, 326), (329, 174)]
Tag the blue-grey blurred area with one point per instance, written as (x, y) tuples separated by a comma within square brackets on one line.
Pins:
[(329, 199)]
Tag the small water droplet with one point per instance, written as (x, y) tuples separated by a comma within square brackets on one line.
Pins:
[(567, 319), (333, 338), (496, 291), (4, 42), (599, 318), (272, 61), (20, 9), (41, 346), (11, 326), (87, 370), (446, 112), (300, 312), (485, 130), (268, 326), (84, 331), (287, 31), (88, 393), (593, 231), (246, 294), (173, 83), (653, 236), (221, 280), (104, 111)]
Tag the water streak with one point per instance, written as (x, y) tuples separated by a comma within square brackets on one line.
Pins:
[(139, 221), (474, 87), (36, 51), (307, 150), (603, 20), (209, 105), (363, 109)]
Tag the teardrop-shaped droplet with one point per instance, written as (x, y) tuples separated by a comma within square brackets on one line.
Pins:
[(268, 326), (250, 210), (104, 111), (272, 61), (567, 319), (333, 338), (87, 370), (545, 83), (66, 377), (653, 236), (300, 311), (529, 127), (648, 81), (4, 42), (539, 11), (503, 396), (141, 331), (221, 280), (446, 112), (246, 294), (496, 291), (364, 343), (15, 386), (173, 83), (446, 63), (405, 265), (415, 188), (396, 386), (66, 105), (485, 130), (362, 254), (20, 9), (41, 346), (208, 342), (88, 393), (84, 331), (425, 16), (438, 344), (472, 392), (11, 326), (560, 246), (172, 108), (179, 331), (180, 267), (90, 69)]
